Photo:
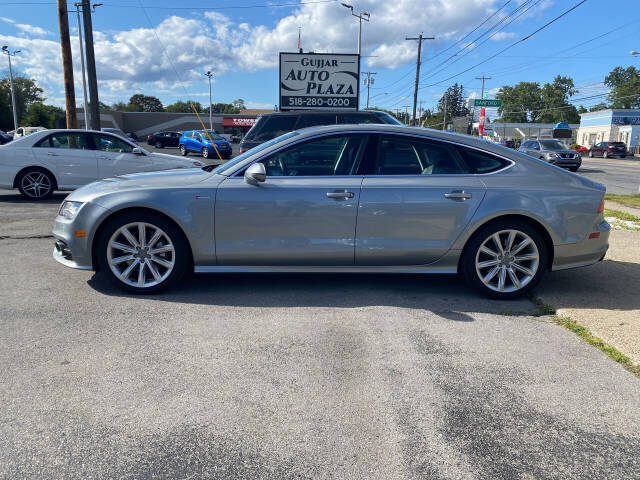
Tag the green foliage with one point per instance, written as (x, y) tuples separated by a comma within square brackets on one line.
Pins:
[(599, 106), (41, 115), (455, 101), (625, 87), (239, 104), (145, 103), (555, 101), (520, 102), (581, 109), (27, 92), (184, 107)]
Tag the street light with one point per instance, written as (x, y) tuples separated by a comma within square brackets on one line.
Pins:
[(209, 74), (5, 50), (362, 16), (634, 53)]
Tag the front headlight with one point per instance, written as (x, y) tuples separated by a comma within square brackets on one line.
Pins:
[(69, 209), (551, 156)]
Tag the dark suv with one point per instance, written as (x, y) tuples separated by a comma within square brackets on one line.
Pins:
[(164, 139), (608, 149), (272, 125)]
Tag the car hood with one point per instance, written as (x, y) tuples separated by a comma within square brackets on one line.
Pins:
[(139, 181), (560, 151), (177, 161)]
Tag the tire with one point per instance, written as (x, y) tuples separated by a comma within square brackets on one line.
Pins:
[(36, 184), (590, 154), (574, 169), (475, 262), (160, 270), (623, 156), (183, 151), (158, 145), (205, 152)]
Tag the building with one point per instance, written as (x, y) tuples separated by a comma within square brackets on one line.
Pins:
[(610, 125), (146, 123), (523, 131)]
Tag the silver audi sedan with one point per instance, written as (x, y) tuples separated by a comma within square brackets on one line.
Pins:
[(342, 198)]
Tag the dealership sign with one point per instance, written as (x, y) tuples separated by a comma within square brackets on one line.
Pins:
[(312, 81), (238, 122)]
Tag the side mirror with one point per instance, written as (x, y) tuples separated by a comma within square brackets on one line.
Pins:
[(136, 151), (255, 174)]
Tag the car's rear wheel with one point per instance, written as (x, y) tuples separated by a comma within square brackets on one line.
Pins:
[(183, 151), (504, 259), (36, 184), (205, 152), (143, 252), (158, 145), (574, 169)]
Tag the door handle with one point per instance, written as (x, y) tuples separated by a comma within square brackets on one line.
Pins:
[(52, 154), (458, 195), (340, 194)]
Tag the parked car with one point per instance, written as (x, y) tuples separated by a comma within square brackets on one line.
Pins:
[(132, 135), (553, 151), (164, 139), (271, 125), (49, 160), (508, 144), (5, 137), (120, 133), (426, 201), (202, 142), (236, 138), (608, 149), (22, 131)]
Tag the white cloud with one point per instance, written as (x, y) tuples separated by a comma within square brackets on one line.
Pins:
[(32, 29), (503, 36), (7, 20)]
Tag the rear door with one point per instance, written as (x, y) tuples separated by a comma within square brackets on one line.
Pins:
[(116, 157), (70, 156), (415, 203)]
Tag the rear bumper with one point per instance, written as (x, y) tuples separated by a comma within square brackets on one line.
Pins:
[(586, 252)]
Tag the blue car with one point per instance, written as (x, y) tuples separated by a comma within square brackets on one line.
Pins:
[(200, 141)]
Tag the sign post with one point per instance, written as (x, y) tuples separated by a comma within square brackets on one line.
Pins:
[(319, 81)]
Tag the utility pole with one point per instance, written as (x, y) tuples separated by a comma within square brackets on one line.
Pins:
[(420, 38), (362, 16), (368, 82), (483, 78), (94, 102), (406, 113), (67, 65), (444, 118), (482, 109), (209, 74), (85, 107), (5, 50)]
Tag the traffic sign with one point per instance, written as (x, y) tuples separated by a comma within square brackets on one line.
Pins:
[(481, 102)]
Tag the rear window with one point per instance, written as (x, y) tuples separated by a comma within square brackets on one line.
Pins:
[(482, 162), (384, 117), (315, 120), (618, 144), (275, 126)]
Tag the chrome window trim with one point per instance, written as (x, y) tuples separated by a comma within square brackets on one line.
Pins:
[(379, 132)]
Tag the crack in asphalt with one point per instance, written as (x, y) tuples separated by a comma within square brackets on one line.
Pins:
[(23, 237)]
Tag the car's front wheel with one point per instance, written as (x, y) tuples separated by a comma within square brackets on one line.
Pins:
[(183, 151), (158, 145), (205, 152), (504, 259), (574, 169), (143, 252), (590, 154), (36, 184)]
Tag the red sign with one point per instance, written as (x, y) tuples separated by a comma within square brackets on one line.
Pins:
[(238, 122), (480, 123)]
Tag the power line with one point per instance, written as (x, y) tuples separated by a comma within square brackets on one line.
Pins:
[(156, 7)]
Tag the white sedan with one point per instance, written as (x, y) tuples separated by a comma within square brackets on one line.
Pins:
[(49, 160)]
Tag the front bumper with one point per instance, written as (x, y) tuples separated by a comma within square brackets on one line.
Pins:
[(586, 252), (70, 249)]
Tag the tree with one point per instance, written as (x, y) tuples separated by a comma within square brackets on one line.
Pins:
[(184, 107), (239, 104), (554, 98), (625, 87), (456, 103), (145, 103), (599, 106), (520, 103), (41, 115), (121, 107), (581, 109), (27, 92)]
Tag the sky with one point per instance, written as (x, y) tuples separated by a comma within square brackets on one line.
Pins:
[(162, 47)]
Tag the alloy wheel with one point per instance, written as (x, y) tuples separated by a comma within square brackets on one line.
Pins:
[(36, 184), (141, 255), (507, 261)]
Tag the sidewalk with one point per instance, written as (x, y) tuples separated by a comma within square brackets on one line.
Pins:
[(611, 205), (605, 297)]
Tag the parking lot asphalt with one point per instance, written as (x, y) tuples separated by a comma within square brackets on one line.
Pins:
[(292, 376)]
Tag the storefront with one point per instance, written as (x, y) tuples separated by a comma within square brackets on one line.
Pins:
[(611, 125), (237, 125)]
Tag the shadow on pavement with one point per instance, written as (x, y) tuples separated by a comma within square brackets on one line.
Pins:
[(446, 295), (9, 196)]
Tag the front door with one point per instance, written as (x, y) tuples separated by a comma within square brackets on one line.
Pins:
[(419, 199), (70, 156), (304, 214), (116, 157)]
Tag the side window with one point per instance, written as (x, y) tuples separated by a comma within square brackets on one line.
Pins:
[(314, 120), (408, 156), (326, 156), (109, 143), (482, 162), (526, 144), (535, 146), (74, 141), (276, 126)]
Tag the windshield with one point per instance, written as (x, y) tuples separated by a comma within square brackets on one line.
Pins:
[(553, 145), (390, 119), (213, 135), (248, 153)]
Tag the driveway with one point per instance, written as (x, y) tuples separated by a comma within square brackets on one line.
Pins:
[(293, 376)]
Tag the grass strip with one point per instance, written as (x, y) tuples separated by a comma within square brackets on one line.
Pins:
[(585, 334), (628, 200), (621, 215)]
